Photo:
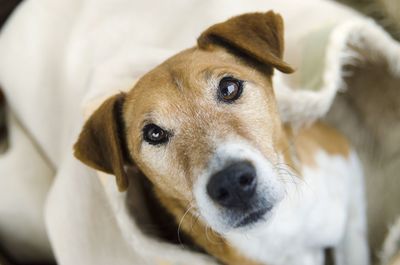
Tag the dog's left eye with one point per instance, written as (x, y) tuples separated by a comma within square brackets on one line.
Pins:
[(154, 135), (229, 89)]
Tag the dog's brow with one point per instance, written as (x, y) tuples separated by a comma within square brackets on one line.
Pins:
[(178, 83), (176, 80), (210, 72), (207, 73)]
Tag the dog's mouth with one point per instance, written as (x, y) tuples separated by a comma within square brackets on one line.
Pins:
[(253, 217)]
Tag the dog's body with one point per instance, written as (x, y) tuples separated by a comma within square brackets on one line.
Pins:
[(204, 128)]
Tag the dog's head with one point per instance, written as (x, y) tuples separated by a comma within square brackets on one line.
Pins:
[(203, 126)]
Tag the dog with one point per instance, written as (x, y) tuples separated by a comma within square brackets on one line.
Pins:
[(204, 129)]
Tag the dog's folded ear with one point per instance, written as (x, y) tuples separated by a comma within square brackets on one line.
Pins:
[(257, 37), (101, 143)]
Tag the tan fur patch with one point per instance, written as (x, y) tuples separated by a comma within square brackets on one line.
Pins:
[(319, 136)]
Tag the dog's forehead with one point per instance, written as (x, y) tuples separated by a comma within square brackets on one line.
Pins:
[(187, 71), (182, 76), (183, 84)]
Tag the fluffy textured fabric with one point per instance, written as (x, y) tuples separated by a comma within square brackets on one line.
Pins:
[(385, 12), (59, 60)]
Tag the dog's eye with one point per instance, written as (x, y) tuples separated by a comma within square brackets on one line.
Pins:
[(154, 134), (229, 89)]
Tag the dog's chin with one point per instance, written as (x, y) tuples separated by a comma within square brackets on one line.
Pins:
[(242, 221)]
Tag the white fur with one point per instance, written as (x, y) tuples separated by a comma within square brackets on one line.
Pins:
[(315, 214), (228, 152), (353, 248)]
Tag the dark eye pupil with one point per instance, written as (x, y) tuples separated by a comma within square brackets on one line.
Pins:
[(229, 89), (154, 134)]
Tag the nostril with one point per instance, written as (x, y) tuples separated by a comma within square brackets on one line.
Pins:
[(246, 180), (222, 195)]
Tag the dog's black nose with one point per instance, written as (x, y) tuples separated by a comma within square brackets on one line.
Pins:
[(234, 186)]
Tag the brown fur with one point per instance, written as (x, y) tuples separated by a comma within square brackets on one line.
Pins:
[(100, 143), (180, 95), (257, 36), (317, 137)]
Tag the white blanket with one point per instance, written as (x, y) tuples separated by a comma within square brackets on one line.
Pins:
[(60, 59)]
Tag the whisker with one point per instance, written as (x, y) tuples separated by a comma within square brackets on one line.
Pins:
[(180, 224), (208, 238), (287, 166)]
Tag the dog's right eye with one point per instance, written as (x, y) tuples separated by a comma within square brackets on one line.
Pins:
[(154, 135)]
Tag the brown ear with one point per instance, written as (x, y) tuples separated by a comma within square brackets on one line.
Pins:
[(255, 36), (101, 143)]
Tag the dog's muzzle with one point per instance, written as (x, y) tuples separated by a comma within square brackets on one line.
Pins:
[(234, 188)]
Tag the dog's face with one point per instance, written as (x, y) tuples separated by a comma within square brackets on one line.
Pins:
[(203, 126)]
